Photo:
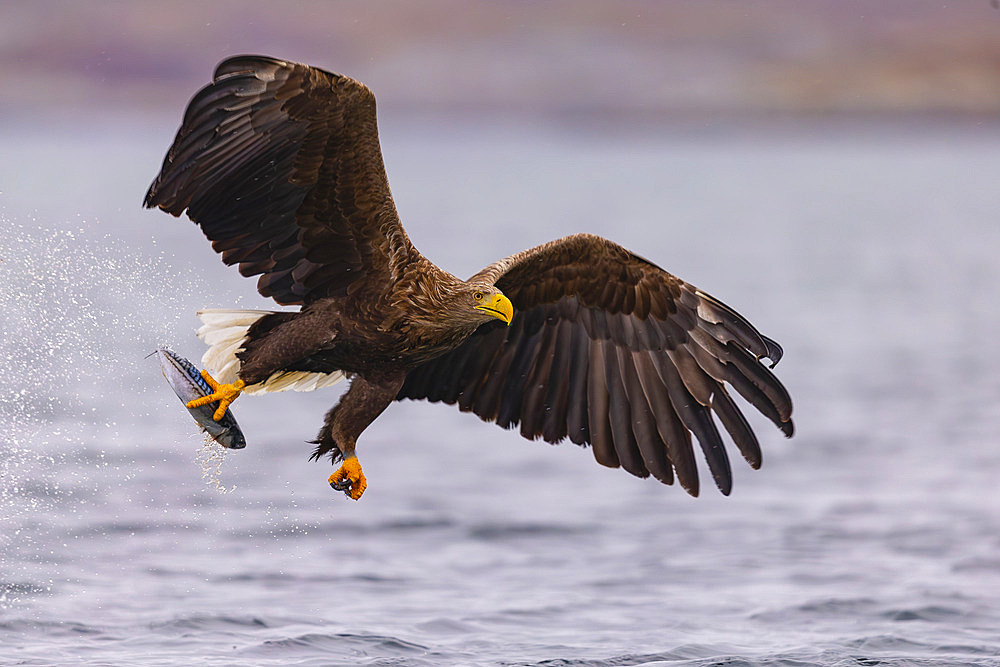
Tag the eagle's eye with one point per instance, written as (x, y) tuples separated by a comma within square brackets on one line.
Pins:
[(478, 296)]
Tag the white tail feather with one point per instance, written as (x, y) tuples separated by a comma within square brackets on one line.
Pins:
[(225, 331)]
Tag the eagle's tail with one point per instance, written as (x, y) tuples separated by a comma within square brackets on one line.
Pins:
[(225, 332)]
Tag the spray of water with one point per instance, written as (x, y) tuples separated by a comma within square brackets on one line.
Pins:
[(211, 457), (77, 305)]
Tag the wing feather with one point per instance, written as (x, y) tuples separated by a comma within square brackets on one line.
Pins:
[(533, 403), (577, 416), (598, 408), (620, 414), (647, 437), (676, 438), (698, 420), (557, 387), (737, 426)]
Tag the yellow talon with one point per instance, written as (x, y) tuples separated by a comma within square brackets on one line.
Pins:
[(225, 394), (349, 478)]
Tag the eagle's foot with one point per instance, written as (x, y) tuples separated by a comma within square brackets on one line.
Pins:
[(349, 478), (225, 394)]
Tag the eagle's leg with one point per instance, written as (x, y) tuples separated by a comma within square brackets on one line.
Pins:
[(225, 394), (358, 407)]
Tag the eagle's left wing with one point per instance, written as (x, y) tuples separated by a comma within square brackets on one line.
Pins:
[(610, 350)]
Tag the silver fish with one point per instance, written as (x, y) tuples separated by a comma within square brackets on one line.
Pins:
[(187, 383)]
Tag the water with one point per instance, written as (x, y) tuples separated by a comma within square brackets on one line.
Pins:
[(870, 538)]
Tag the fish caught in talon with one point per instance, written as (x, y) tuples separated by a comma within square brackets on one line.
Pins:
[(192, 388), (225, 394)]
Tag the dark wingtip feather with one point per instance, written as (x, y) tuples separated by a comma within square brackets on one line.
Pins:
[(737, 427), (774, 351), (153, 199), (244, 63), (150, 200)]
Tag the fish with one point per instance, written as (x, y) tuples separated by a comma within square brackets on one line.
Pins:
[(186, 381)]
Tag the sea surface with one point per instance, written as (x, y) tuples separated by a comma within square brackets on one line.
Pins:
[(871, 538)]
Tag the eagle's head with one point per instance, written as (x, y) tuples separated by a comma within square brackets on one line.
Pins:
[(466, 306), (491, 302), (449, 305)]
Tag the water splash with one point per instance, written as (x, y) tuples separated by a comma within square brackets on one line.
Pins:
[(74, 300), (211, 458)]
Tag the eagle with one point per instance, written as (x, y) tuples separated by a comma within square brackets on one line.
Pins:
[(280, 166)]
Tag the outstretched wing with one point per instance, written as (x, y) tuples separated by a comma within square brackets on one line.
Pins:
[(279, 164), (610, 350)]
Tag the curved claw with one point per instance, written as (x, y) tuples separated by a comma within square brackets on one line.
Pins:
[(225, 394), (349, 478)]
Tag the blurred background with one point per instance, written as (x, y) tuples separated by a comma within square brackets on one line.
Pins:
[(649, 61), (828, 168)]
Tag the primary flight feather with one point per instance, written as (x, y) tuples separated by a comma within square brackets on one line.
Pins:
[(279, 164)]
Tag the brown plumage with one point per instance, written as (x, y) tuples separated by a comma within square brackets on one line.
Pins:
[(280, 165)]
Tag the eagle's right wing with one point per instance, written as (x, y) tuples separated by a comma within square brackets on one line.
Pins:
[(280, 165)]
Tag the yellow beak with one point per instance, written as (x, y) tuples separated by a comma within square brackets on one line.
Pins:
[(499, 307)]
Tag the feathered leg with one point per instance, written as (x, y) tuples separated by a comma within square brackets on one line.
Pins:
[(358, 407)]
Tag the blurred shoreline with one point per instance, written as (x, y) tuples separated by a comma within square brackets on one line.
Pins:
[(682, 63)]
